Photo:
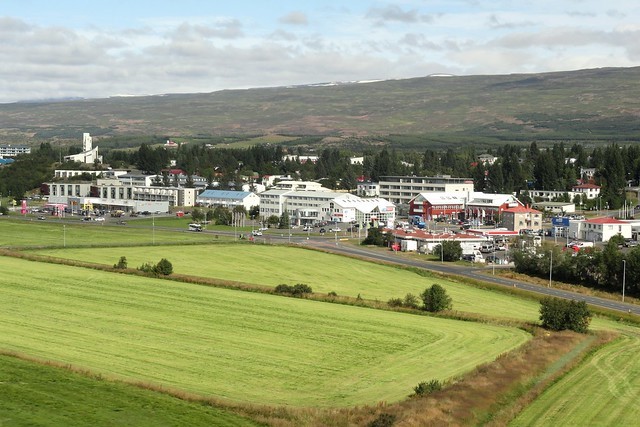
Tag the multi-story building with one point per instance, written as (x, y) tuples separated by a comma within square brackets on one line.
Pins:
[(228, 199), (368, 189), (13, 150), (401, 189), (308, 207), (522, 218), (429, 206)]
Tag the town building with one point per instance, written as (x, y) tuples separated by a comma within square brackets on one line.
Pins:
[(361, 211), (600, 229), (368, 189), (228, 199), (13, 150), (485, 206), (591, 191), (430, 206), (309, 207), (522, 218), (401, 189), (560, 208), (89, 153)]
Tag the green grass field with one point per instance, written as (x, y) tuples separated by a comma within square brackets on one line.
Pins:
[(274, 265), (241, 346), (53, 232), (41, 395), (603, 391)]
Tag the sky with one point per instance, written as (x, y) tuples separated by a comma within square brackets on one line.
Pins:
[(96, 49)]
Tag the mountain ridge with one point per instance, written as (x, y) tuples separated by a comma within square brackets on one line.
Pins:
[(591, 104)]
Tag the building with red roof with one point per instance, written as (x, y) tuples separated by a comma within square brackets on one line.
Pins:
[(519, 218)]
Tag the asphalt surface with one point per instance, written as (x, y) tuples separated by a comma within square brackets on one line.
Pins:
[(476, 273)]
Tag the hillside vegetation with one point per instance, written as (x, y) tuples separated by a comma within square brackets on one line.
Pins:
[(587, 105)]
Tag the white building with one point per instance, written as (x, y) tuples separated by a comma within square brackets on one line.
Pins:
[(401, 189), (89, 153), (300, 186), (368, 189), (13, 150), (362, 211), (228, 199), (600, 229), (356, 160)]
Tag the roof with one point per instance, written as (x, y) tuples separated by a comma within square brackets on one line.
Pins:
[(439, 198), (224, 194), (521, 209), (366, 205), (487, 199), (594, 186), (605, 220)]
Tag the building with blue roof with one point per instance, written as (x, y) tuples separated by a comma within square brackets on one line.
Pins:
[(228, 199)]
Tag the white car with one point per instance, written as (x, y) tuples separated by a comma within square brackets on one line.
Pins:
[(100, 219), (334, 230), (256, 233)]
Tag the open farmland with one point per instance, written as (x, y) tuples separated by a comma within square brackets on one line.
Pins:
[(240, 346), (274, 265), (603, 390), (53, 232), (34, 394)]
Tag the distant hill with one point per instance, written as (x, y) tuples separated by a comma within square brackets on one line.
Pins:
[(589, 106)]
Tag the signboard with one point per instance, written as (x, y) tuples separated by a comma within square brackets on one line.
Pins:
[(560, 221)]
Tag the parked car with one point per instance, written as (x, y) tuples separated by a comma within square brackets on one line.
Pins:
[(41, 218), (630, 243), (334, 230), (322, 231), (256, 233), (99, 219), (86, 218)]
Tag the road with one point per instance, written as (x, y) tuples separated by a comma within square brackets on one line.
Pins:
[(476, 273)]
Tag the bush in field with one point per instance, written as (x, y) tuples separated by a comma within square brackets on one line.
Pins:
[(559, 314), (122, 263), (296, 290), (409, 301), (383, 420), (427, 387), (164, 267), (147, 267), (436, 299)]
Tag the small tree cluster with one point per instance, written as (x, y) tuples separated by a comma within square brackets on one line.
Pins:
[(559, 314), (122, 263), (449, 250), (162, 268), (383, 420), (409, 301), (436, 299), (427, 387), (295, 290)]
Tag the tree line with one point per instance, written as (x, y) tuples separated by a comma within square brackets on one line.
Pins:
[(516, 169)]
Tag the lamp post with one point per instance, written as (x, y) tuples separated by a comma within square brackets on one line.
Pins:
[(550, 266), (441, 251), (493, 265), (153, 228), (64, 237), (624, 274)]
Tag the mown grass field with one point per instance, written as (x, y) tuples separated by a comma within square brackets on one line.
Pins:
[(603, 390), (33, 394), (241, 346), (52, 232), (274, 265)]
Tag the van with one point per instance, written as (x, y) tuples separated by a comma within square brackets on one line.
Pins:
[(486, 248), (195, 227)]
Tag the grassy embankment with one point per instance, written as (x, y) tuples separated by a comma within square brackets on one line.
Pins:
[(466, 388)]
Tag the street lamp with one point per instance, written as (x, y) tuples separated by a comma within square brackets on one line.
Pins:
[(624, 274), (550, 266), (493, 265)]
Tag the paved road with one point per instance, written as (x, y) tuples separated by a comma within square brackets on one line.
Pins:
[(471, 272)]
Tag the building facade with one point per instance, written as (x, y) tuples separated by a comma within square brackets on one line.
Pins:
[(401, 189), (522, 218), (13, 150), (228, 199)]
